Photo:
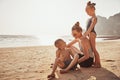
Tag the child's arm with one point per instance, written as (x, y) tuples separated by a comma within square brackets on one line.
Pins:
[(94, 21), (55, 63), (72, 42), (58, 53), (85, 51)]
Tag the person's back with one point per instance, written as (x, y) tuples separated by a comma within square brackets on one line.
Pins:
[(88, 46)]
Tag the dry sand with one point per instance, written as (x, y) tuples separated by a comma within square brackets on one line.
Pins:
[(33, 63)]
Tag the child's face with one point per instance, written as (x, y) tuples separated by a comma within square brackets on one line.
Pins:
[(61, 45), (90, 11)]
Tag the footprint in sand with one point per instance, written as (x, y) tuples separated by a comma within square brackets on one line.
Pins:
[(109, 60), (42, 71)]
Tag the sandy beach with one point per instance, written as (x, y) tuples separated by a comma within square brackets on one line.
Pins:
[(33, 63)]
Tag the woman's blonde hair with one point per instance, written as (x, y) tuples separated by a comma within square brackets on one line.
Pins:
[(77, 27)]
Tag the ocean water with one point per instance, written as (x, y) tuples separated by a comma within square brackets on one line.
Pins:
[(21, 40)]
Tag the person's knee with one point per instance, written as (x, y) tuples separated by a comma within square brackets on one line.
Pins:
[(76, 56), (94, 50), (57, 60)]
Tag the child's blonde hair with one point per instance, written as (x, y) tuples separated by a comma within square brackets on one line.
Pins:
[(57, 41), (91, 5)]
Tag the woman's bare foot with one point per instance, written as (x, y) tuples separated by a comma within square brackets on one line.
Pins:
[(97, 65), (63, 71), (77, 69)]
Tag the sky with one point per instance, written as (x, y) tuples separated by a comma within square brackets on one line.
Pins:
[(48, 17)]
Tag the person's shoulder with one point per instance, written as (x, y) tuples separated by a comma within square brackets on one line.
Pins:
[(77, 39), (67, 49), (58, 51), (94, 18), (84, 40)]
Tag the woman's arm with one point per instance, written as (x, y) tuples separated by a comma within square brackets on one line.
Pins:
[(74, 50), (72, 42), (85, 51), (94, 21)]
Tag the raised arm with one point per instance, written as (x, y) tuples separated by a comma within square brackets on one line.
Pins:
[(72, 42), (94, 21), (75, 50)]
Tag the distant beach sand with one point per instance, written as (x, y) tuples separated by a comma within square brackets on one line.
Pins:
[(33, 63)]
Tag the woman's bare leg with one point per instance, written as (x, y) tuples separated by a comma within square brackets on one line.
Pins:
[(92, 38)]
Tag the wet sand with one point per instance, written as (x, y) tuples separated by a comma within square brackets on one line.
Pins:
[(33, 63)]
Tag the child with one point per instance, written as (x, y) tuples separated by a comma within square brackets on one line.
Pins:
[(63, 58), (90, 32)]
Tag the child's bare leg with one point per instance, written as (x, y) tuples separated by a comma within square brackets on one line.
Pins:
[(74, 61), (54, 68), (93, 45), (97, 59), (57, 63)]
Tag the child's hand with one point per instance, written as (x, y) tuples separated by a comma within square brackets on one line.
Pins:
[(85, 34), (78, 61)]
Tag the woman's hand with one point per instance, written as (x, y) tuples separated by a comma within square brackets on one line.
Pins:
[(72, 42)]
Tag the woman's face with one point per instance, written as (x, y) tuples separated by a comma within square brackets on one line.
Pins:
[(76, 34)]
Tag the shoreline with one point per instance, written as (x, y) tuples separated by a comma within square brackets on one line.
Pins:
[(101, 41), (26, 41)]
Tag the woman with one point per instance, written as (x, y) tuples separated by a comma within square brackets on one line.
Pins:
[(90, 32), (85, 59)]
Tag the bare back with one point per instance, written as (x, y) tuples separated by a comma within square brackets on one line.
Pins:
[(86, 41)]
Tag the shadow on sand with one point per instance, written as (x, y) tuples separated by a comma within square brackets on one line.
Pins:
[(87, 74)]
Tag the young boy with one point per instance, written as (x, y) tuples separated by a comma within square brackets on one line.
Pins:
[(63, 58)]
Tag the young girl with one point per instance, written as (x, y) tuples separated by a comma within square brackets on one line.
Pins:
[(90, 32)]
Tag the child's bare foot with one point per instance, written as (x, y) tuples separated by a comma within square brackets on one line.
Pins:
[(51, 76), (63, 71)]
